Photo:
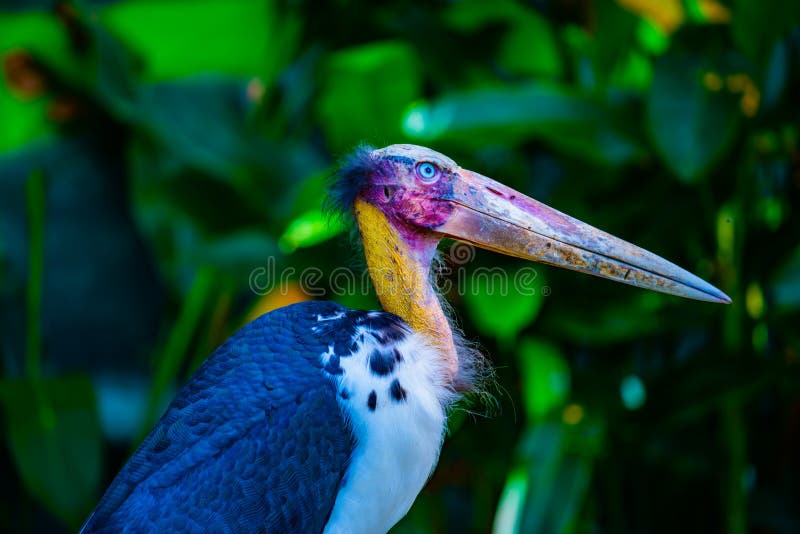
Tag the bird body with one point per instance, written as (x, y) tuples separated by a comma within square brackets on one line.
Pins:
[(314, 407), (317, 418)]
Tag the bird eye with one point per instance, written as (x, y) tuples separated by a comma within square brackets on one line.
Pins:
[(427, 171)]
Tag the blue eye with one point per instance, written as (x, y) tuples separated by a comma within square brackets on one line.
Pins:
[(427, 171)]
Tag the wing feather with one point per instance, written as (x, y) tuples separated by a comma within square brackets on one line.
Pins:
[(255, 440)]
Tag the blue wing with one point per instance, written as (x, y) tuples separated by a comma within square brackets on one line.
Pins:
[(255, 441)]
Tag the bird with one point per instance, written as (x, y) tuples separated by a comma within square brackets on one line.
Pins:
[(319, 418)]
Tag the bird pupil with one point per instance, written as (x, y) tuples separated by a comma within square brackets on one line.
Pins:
[(427, 170)]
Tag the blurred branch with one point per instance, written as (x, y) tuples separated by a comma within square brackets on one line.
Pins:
[(35, 194), (176, 349), (734, 436), (35, 199)]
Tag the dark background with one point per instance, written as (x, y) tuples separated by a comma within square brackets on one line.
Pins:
[(154, 153)]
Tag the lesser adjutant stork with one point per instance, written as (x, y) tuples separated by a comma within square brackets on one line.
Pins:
[(315, 417)]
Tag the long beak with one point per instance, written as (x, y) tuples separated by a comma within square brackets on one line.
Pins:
[(495, 217)]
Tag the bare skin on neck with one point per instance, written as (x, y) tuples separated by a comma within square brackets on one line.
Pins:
[(400, 272)]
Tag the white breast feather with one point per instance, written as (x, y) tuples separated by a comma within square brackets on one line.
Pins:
[(397, 444)]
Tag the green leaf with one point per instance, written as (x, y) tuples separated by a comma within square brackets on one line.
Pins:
[(550, 481), (471, 15), (41, 35), (112, 75), (784, 288), (570, 120), (529, 45), (692, 127), (309, 229), (529, 48), (652, 38), (614, 38), (169, 111), (776, 72), (54, 437), (634, 71), (545, 377), (245, 38), (501, 302), (612, 323), (24, 119), (234, 254), (519, 110), (509, 509), (364, 92), (556, 509), (757, 24)]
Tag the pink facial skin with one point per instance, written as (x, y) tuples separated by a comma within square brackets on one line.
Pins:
[(413, 206)]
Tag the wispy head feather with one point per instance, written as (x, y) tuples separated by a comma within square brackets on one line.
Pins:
[(348, 180)]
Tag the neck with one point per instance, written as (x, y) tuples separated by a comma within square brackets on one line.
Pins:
[(399, 265)]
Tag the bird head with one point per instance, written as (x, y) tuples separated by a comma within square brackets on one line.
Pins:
[(425, 196)]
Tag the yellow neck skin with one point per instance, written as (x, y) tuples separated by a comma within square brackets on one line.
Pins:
[(402, 280)]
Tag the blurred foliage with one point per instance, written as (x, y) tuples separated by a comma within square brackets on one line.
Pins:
[(156, 154)]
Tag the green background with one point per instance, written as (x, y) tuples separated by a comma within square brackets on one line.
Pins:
[(154, 154)]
